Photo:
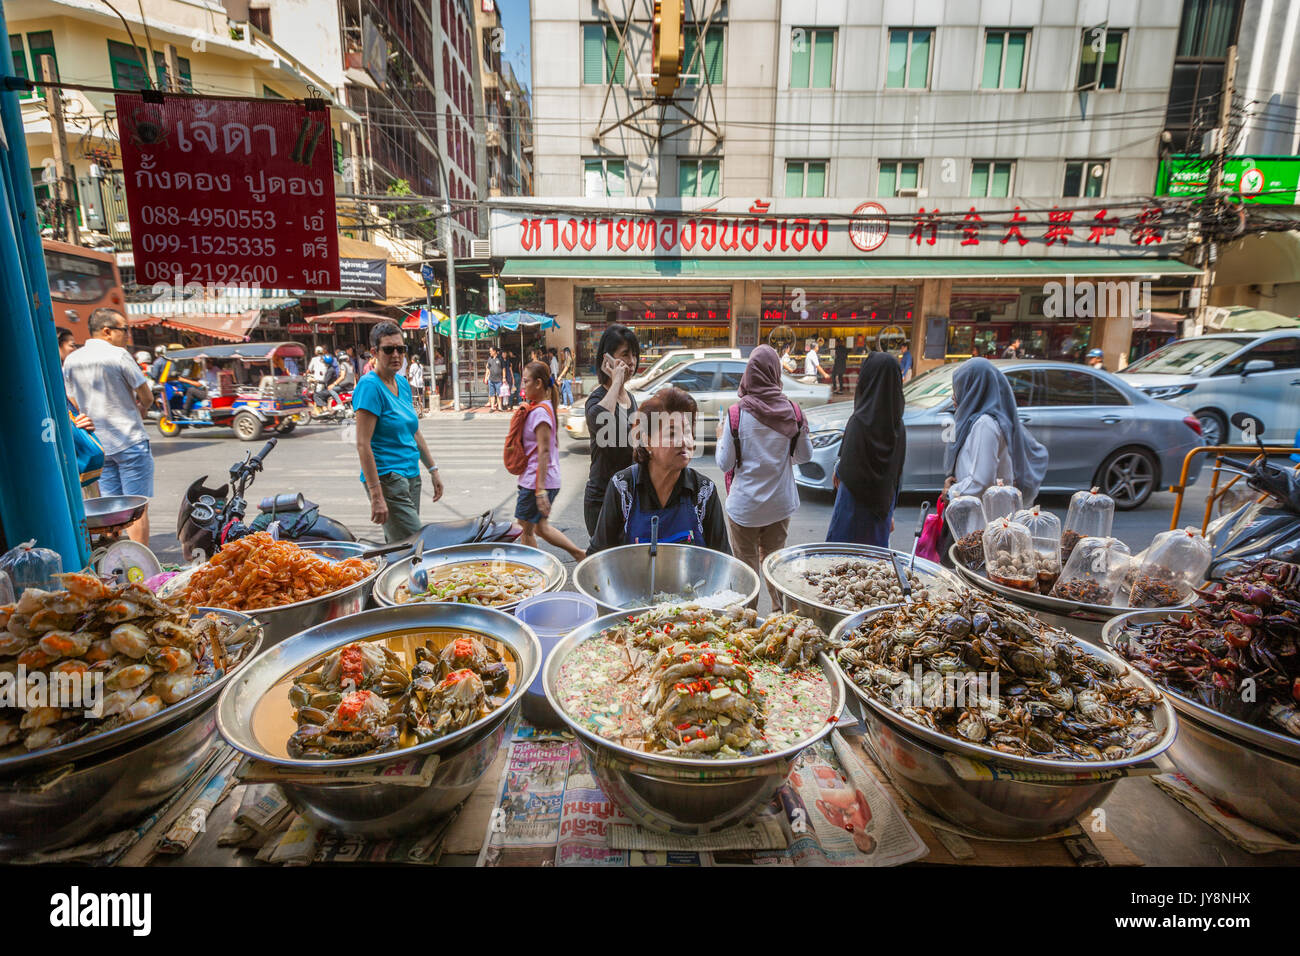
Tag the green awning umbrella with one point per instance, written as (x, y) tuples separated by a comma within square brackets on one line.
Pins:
[(470, 326), (1244, 319)]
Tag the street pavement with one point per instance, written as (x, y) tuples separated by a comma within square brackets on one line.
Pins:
[(321, 462)]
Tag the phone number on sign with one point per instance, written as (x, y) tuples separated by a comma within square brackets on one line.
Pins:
[(217, 218), (209, 245), (223, 272)]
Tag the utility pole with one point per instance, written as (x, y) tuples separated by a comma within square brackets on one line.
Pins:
[(450, 238), (1216, 202), (54, 107)]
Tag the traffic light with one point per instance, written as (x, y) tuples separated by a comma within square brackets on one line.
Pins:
[(669, 46)]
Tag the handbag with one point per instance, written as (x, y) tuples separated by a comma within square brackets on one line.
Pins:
[(927, 545), (90, 453)]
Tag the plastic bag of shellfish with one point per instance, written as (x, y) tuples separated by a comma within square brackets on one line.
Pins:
[(1094, 573), (1001, 501), (1045, 532), (1175, 563), (964, 516), (1091, 515), (31, 567), (1009, 555)]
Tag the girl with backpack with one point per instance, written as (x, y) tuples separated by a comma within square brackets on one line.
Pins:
[(760, 440), (533, 447)]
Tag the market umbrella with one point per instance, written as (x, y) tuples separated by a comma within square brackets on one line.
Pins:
[(1245, 319), (420, 319), (517, 319), (470, 326)]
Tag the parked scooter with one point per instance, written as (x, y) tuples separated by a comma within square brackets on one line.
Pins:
[(209, 517), (1258, 529)]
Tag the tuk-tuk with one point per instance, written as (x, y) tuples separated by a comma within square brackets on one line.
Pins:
[(250, 388)]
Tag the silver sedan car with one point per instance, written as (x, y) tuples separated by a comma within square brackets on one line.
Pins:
[(1098, 430)]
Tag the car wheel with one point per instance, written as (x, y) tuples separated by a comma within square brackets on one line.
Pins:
[(286, 426), (247, 426), (1128, 477), (1214, 427)]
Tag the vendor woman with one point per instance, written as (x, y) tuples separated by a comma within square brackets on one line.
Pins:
[(659, 484)]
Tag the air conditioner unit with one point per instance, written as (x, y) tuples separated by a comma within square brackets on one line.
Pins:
[(480, 249), (913, 193)]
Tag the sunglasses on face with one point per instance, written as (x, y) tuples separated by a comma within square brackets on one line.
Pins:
[(393, 349)]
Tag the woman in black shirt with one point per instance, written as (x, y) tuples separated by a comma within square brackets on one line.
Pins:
[(609, 414)]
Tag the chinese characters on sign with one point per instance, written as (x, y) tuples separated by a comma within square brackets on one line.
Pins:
[(231, 192)]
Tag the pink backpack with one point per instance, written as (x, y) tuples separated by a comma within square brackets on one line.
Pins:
[(733, 420)]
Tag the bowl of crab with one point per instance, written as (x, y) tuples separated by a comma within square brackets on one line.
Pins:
[(691, 717), (378, 723), (107, 699)]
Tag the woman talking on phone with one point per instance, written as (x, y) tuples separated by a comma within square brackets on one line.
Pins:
[(609, 413)]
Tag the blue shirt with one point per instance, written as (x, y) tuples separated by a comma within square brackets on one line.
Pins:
[(393, 442)]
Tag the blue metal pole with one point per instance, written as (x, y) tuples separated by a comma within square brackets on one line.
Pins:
[(40, 492)]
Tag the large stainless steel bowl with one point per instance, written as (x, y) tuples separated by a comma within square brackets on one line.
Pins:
[(917, 761), (396, 574), (286, 620), (618, 579), (372, 808), (682, 795), (1082, 620), (1253, 769), (65, 795), (114, 511), (782, 567)]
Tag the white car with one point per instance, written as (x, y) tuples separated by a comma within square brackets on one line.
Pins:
[(1216, 376)]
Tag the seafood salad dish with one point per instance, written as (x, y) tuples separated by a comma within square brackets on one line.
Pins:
[(985, 672), (695, 682), (257, 572), (120, 652), (485, 583), (1244, 634), (367, 698), (857, 584)]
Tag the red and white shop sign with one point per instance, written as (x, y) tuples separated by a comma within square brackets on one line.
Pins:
[(230, 192)]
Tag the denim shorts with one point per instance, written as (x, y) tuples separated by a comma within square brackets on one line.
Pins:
[(128, 472), (526, 504)]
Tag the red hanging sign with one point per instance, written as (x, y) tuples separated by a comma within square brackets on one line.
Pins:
[(230, 192)]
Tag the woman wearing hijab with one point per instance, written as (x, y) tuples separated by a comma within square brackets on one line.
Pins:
[(990, 443), (868, 475), (760, 440)]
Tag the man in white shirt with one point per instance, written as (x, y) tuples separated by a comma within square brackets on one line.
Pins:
[(317, 368), (812, 365), (108, 386)]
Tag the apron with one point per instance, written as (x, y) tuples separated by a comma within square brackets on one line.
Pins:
[(678, 523)]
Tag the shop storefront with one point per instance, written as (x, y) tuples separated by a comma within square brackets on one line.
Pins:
[(873, 275)]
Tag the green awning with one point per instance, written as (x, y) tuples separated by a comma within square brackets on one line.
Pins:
[(868, 269)]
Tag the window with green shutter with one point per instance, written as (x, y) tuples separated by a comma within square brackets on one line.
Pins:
[(182, 67), (18, 56), (125, 64), (805, 178), (1101, 59), (1085, 178), (699, 177), (603, 177), (41, 44), (897, 174), (1004, 59), (812, 58), (990, 177), (908, 60), (709, 66), (600, 55)]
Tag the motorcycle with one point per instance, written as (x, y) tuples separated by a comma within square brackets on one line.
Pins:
[(1258, 529), (209, 517), (324, 407)]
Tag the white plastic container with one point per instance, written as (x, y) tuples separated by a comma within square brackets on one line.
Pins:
[(551, 616)]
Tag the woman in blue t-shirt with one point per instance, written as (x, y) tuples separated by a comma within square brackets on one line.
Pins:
[(389, 442)]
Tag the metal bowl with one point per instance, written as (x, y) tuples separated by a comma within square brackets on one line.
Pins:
[(917, 761), (787, 562), (286, 620), (371, 808), (68, 794), (1085, 621), (688, 796), (114, 511), (395, 575), (618, 579), (1251, 768)]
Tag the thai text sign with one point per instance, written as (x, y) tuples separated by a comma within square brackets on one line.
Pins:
[(1263, 180), (230, 192), (828, 228)]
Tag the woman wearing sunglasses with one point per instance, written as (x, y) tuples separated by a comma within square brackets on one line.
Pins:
[(389, 442)]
